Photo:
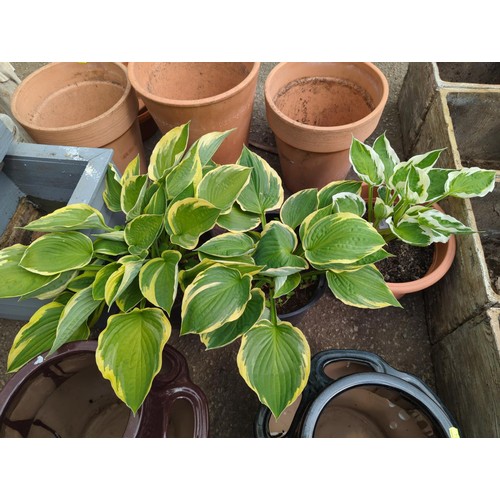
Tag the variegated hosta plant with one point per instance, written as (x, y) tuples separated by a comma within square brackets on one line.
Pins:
[(230, 291), (401, 195), (86, 267)]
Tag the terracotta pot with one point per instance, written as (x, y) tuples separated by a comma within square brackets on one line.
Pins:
[(212, 96), (82, 104), (314, 110), (66, 396)]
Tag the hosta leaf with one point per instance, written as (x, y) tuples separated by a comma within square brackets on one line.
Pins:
[(189, 219), (181, 176), (426, 160), (229, 332), (411, 183), (15, 280), (223, 185), (158, 202), (208, 144), (83, 280), (53, 288), (102, 278), (74, 317), (348, 202), (264, 192), (168, 152), (370, 259), (442, 223), (132, 195), (35, 337), (133, 169), (410, 231), (158, 279), (112, 236), (341, 238), (55, 253), (187, 276), (275, 251), (283, 285), (112, 192), (298, 206), (130, 297), (217, 295), (437, 182), (381, 210), (364, 288), (110, 247), (470, 182), (388, 156), (143, 230), (77, 216), (236, 220), (313, 218), (122, 277), (366, 163), (228, 245), (129, 352), (274, 360), (325, 194)]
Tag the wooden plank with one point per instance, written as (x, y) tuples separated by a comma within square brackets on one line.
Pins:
[(467, 365)]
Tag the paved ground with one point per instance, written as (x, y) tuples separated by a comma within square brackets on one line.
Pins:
[(398, 335)]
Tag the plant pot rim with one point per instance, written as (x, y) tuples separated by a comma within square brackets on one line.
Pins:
[(69, 128), (313, 413), (337, 128), (190, 103), (318, 293)]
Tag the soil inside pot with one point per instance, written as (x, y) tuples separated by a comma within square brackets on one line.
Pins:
[(187, 81), (409, 263), (324, 101), (298, 298), (25, 213)]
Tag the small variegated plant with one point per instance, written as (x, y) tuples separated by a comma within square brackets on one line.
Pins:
[(401, 195), (86, 267)]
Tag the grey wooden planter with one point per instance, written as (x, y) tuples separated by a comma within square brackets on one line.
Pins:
[(462, 308), (52, 176)]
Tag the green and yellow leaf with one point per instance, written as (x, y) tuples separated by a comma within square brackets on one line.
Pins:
[(228, 245), (142, 332), (275, 360), (298, 206)]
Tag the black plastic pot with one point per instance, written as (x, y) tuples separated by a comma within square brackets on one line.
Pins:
[(295, 316), (66, 396), (357, 394)]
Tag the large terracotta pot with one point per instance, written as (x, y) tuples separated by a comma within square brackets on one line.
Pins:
[(211, 96), (314, 110), (66, 396), (81, 104)]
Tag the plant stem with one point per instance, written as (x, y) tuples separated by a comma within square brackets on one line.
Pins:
[(399, 211), (274, 314), (315, 272), (263, 221), (370, 204), (430, 203)]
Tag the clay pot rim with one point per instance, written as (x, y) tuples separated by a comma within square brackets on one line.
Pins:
[(126, 91), (191, 103), (337, 128)]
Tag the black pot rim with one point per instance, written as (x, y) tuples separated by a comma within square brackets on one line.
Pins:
[(318, 293), (438, 415)]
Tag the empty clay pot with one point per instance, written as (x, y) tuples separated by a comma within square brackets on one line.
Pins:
[(211, 96), (82, 104), (66, 396), (314, 110)]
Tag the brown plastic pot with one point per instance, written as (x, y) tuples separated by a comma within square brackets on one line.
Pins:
[(314, 110), (82, 104), (211, 96), (66, 396)]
